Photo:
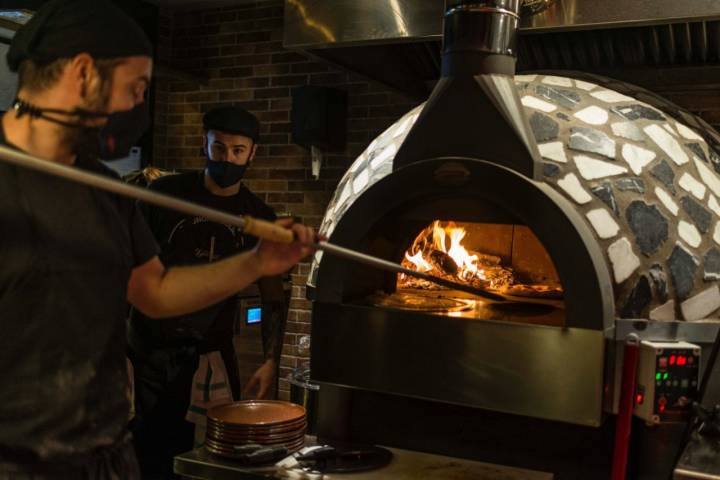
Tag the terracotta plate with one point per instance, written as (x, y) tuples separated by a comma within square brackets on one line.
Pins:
[(267, 439), (230, 453), (253, 429), (257, 413), (211, 433)]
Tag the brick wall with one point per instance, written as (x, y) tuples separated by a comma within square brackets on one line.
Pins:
[(235, 56)]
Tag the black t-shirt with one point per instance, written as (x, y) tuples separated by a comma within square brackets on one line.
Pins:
[(66, 254), (187, 240)]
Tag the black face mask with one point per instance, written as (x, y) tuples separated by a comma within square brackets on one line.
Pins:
[(225, 173), (108, 142)]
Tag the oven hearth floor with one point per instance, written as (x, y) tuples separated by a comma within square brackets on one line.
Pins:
[(454, 303)]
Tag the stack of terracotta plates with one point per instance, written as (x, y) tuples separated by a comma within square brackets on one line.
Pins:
[(263, 422)]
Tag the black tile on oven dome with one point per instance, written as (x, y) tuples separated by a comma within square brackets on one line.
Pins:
[(664, 172), (558, 96), (592, 141), (682, 265), (638, 299), (635, 112), (605, 193), (631, 184), (697, 150), (659, 282), (699, 215), (648, 224), (544, 128), (550, 170), (711, 264)]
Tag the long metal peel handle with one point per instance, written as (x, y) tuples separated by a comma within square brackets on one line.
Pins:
[(109, 184), (394, 267), (253, 226)]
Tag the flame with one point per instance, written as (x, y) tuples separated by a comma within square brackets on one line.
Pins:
[(448, 240), (421, 265)]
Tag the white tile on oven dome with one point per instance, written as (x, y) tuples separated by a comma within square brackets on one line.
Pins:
[(627, 130), (610, 96), (623, 259), (554, 151), (386, 155), (345, 194), (591, 169), (667, 143), (537, 104), (603, 223), (708, 176), (713, 204), (667, 201), (699, 306), (670, 130), (360, 161), (665, 312), (690, 184), (593, 115), (360, 182), (637, 157), (689, 233), (571, 185), (688, 133), (525, 78), (587, 86), (557, 81)]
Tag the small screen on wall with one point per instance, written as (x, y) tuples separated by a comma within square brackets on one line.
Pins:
[(253, 315)]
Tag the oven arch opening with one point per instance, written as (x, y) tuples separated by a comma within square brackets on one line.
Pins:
[(387, 217)]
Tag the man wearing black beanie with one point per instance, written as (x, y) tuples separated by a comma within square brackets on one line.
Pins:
[(179, 346), (72, 256)]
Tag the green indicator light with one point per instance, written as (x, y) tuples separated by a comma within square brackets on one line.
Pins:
[(658, 376), (665, 376)]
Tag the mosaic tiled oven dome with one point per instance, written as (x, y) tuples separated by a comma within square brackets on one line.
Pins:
[(638, 168)]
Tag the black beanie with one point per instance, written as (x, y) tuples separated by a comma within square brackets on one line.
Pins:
[(65, 28), (233, 120)]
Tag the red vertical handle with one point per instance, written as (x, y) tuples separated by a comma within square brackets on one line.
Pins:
[(627, 404)]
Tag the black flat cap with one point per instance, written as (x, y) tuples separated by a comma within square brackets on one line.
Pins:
[(65, 28), (233, 120)]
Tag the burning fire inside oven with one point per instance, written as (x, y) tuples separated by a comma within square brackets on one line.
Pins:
[(441, 251), (507, 259)]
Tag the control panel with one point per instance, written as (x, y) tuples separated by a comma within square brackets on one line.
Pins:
[(667, 381)]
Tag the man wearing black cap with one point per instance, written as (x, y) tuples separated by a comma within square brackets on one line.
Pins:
[(72, 256), (177, 347)]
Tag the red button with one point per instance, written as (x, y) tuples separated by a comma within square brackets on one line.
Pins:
[(662, 362), (662, 401), (691, 360)]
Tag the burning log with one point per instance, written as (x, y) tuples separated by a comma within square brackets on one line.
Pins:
[(444, 262)]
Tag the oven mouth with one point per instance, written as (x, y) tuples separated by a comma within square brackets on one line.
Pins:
[(507, 259)]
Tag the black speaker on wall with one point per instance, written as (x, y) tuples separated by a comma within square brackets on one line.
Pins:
[(318, 117)]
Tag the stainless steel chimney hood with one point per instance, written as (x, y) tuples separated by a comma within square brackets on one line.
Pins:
[(397, 41)]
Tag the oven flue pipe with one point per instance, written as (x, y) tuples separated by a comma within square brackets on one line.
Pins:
[(479, 37), (474, 110)]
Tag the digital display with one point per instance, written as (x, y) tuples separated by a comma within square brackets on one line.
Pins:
[(253, 315)]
